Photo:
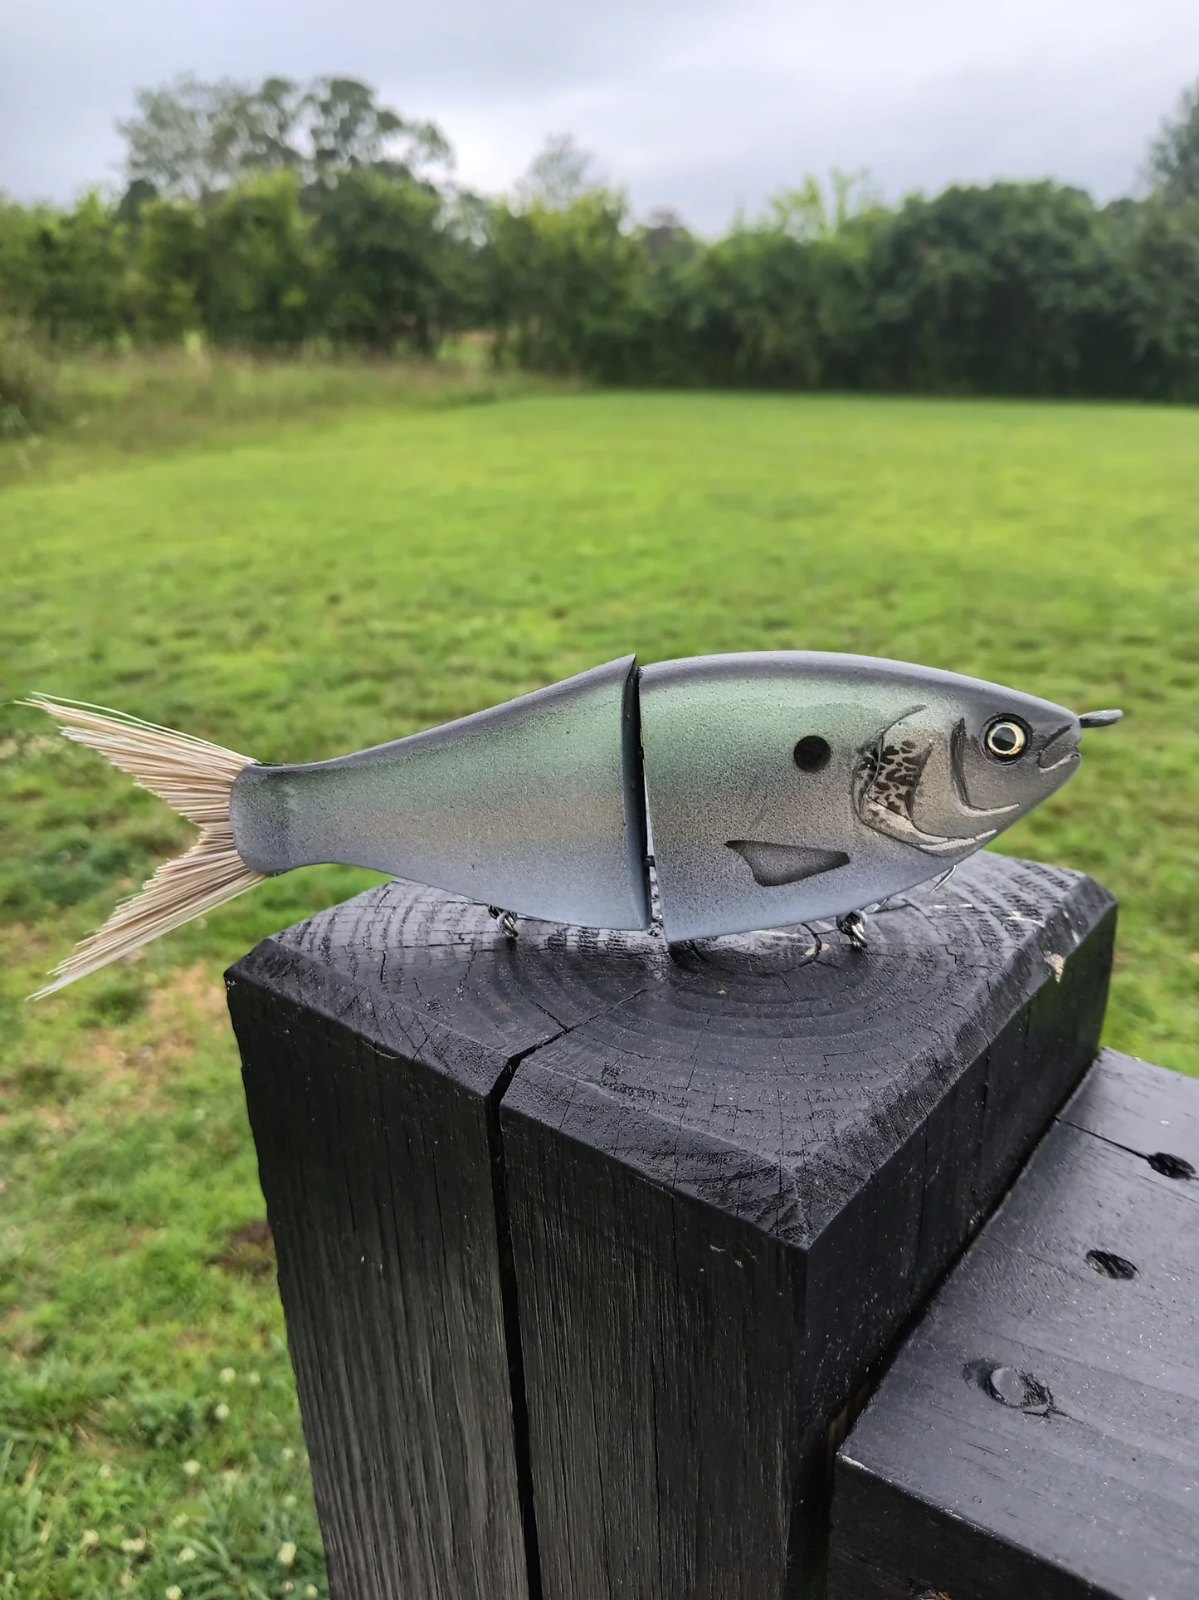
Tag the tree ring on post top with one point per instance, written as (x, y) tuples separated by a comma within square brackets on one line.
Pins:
[(786, 1006), (773, 950)]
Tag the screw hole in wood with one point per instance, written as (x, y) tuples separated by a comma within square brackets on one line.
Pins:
[(1170, 1166), (1110, 1265), (1018, 1390)]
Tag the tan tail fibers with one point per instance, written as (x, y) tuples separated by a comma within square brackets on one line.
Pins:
[(196, 779)]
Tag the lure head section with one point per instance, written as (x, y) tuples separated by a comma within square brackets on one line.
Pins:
[(944, 789), (795, 786)]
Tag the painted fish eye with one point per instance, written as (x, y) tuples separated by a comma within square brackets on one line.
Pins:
[(1005, 739)]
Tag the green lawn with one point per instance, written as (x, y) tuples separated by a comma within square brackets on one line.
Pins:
[(308, 591)]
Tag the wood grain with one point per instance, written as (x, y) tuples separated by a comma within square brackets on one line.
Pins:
[(729, 1191), (585, 1246), (375, 1041), (1038, 1434)]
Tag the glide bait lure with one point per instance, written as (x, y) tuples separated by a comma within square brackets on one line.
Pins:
[(777, 788)]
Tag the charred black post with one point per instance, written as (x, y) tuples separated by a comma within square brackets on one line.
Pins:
[(586, 1253)]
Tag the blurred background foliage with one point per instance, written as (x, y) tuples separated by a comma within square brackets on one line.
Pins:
[(282, 217)]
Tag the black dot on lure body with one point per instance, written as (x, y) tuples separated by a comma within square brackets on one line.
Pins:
[(1170, 1166), (812, 753), (1110, 1265)]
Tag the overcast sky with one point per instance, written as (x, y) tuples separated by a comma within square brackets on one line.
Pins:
[(704, 105)]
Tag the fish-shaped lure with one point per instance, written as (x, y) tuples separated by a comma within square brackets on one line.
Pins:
[(778, 788)]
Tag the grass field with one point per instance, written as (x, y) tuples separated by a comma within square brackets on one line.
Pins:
[(304, 590)]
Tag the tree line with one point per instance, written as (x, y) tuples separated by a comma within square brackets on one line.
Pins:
[(276, 216)]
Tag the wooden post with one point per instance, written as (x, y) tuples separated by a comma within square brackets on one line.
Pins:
[(584, 1250), (1038, 1434)]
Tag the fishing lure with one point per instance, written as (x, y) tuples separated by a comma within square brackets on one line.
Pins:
[(777, 788)]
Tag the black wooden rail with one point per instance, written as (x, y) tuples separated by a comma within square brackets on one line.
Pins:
[(591, 1254), (1038, 1435)]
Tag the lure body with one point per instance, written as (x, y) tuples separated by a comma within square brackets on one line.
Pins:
[(534, 805), (771, 788), (778, 788)]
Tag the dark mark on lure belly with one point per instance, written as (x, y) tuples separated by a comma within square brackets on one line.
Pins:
[(774, 865)]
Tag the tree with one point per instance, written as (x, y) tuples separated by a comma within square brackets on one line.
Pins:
[(565, 286), (1174, 154), (184, 139), (467, 225), (171, 255), (264, 128), (560, 173), (810, 212), (79, 261), (138, 194), (666, 236), (260, 266), (752, 314), (267, 215), (19, 230), (194, 139), (387, 264), (1158, 244), (347, 130), (1013, 288)]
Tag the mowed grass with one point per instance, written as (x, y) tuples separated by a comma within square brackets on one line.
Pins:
[(355, 578)]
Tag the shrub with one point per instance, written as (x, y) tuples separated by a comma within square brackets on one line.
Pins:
[(27, 387)]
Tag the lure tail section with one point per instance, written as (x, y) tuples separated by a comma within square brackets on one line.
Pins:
[(196, 779)]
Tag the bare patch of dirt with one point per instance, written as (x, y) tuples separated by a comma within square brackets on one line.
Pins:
[(196, 990), (188, 1006), (20, 745), (195, 1339), (248, 1252), (23, 941)]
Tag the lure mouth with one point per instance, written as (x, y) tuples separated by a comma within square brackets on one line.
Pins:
[(1060, 747)]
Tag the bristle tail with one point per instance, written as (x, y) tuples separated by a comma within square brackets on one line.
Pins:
[(193, 777)]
